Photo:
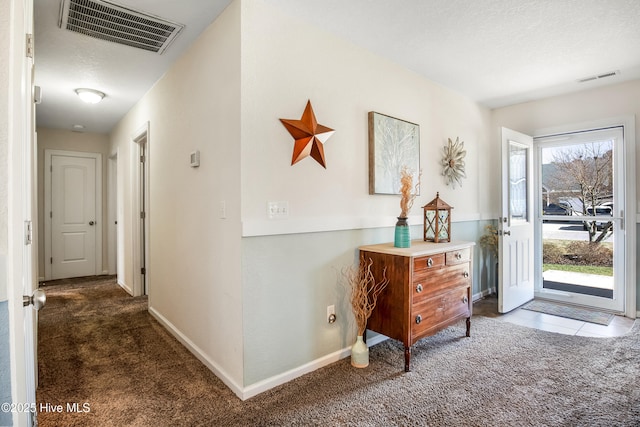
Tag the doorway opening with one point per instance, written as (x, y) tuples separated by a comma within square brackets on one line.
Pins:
[(581, 193), (140, 192), (112, 225)]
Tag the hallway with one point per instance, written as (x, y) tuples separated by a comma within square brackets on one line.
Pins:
[(99, 348)]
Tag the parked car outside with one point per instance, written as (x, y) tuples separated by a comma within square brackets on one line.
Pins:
[(556, 209), (599, 211)]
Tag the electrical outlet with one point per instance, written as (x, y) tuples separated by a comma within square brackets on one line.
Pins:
[(331, 313)]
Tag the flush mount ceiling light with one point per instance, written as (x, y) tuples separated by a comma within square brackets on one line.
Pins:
[(90, 96)]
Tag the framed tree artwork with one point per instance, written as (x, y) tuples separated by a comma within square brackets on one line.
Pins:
[(393, 144)]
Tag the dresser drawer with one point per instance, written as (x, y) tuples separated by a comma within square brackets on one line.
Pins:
[(428, 316), (427, 263), (459, 256), (427, 284)]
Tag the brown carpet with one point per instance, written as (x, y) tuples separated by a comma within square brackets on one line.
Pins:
[(100, 346)]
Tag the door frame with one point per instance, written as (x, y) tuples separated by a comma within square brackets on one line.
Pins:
[(629, 210), (140, 245), (112, 214), (48, 229)]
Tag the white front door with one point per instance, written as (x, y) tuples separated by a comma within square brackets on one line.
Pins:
[(74, 214), (515, 247)]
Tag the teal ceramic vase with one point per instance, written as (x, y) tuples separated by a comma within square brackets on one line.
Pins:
[(360, 353), (403, 236)]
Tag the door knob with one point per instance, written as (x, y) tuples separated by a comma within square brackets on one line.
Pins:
[(91, 222), (507, 233), (38, 299)]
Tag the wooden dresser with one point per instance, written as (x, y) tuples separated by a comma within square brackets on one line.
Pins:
[(429, 289)]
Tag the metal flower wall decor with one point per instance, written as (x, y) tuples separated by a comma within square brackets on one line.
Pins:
[(453, 162)]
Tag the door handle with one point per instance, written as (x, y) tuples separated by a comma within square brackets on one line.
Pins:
[(507, 233), (38, 299), (91, 222)]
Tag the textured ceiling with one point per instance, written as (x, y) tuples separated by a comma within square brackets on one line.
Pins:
[(497, 52), (66, 60)]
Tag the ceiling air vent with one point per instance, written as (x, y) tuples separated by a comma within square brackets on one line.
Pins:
[(114, 23), (599, 76)]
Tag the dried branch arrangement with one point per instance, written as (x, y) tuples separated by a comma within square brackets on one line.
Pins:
[(489, 240), (406, 185), (364, 291)]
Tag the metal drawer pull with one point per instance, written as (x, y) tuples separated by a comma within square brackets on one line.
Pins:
[(418, 319), (465, 274), (465, 299), (419, 288), (429, 262), (458, 255)]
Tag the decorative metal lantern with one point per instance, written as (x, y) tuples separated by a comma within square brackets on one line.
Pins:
[(437, 220)]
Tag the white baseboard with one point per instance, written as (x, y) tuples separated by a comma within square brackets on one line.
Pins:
[(196, 351), (376, 339), (252, 390), (482, 294), (269, 383), (126, 288)]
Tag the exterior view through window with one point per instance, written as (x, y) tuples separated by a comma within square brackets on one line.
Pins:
[(580, 225)]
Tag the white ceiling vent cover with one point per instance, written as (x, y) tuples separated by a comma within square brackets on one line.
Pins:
[(114, 23), (599, 76)]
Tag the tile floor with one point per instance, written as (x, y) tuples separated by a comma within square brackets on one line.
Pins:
[(488, 307)]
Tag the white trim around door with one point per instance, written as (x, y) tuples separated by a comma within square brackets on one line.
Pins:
[(48, 208), (140, 155), (626, 212)]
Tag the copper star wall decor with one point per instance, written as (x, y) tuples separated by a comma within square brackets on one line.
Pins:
[(309, 136)]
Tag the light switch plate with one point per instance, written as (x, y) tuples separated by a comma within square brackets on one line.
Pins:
[(277, 210)]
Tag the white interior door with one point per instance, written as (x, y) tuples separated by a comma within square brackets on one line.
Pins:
[(516, 228), (21, 266), (74, 215)]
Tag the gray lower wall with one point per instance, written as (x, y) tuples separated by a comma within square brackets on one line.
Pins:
[(5, 368), (289, 280)]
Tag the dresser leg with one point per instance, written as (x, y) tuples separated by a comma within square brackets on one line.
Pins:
[(407, 359), (468, 326)]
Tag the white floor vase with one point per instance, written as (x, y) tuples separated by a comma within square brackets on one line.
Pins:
[(360, 353)]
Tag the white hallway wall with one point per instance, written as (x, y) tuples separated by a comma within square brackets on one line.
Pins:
[(194, 259), (576, 108)]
